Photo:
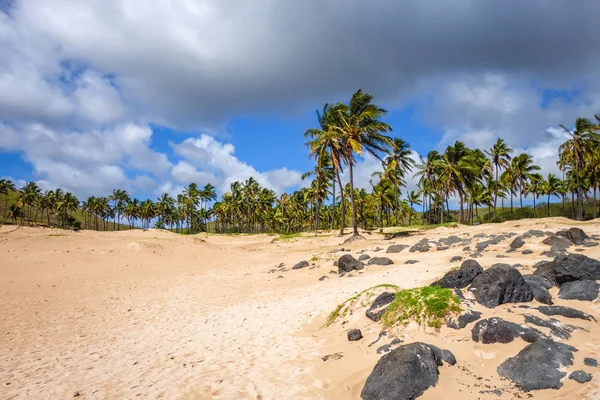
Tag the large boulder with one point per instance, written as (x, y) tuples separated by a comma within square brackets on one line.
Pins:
[(538, 366), (404, 373), (380, 261), (575, 267), (460, 278), (497, 330), (347, 263), (557, 243), (396, 248), (575, 235), (546, 269), (500, 285), (380, 305), (539, 287), (579, 290)]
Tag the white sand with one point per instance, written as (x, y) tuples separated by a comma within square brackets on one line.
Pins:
[(158, 315)]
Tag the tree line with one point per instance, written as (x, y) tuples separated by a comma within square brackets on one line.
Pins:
[(474, 178)]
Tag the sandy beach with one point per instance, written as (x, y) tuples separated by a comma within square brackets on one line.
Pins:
[(153, 314)]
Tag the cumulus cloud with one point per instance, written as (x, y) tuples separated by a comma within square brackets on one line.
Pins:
[(86, 163), (187, 63), (85, 79), (221, 167)]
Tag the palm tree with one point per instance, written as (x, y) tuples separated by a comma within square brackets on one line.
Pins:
[(328, 139), (323, 173), (500, 157), (384, 192), (131, 211), (573, 153), (6, 186), (397, 165), (164, 207), (191, 200), (534, 187), (119, 198), (48, 204), (522, 169), (550, 187), (413, 198), (30, 194), (428, 173), (362, 131), (458, 167)]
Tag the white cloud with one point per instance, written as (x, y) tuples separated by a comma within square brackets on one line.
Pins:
[(185, 173), (87, 163), (218, 164)]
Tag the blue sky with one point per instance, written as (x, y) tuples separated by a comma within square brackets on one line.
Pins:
[(102, 95)]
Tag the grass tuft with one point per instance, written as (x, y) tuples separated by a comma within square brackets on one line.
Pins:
[(429, 305), (342, 309), (287, 236)]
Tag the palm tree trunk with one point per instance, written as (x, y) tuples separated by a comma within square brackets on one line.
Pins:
[(343, 210), (496, 193), (511, 204), (354, 224), (461, 218), (521, 202), (333, 205), (595, 210), (549, 204), (534, 213)]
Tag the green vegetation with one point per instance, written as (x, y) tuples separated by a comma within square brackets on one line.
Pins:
[(478, 179), (429, 305), (288, 236), (342, 309)]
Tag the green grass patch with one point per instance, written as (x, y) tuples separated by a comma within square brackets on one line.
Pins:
[(342, 309), (288, 236), (429, 305)]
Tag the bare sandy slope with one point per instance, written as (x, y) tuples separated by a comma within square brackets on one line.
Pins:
[(156, 315)]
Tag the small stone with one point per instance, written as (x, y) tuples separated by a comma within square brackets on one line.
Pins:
[(323, 278), (300, 265), (590, 362), (334, 356), (396, 248), (354, 335), (380, 261), (456, 259), (525, 252), (411, 261), (580, 376)]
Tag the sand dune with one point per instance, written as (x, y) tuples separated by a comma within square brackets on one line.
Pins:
[(158, 315)]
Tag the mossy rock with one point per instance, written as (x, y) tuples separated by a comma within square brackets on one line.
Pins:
[(429, 306)]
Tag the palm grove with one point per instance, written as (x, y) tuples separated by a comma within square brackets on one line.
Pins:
[(494, 179)]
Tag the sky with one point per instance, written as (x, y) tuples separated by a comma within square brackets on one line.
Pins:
[(149, 96)]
